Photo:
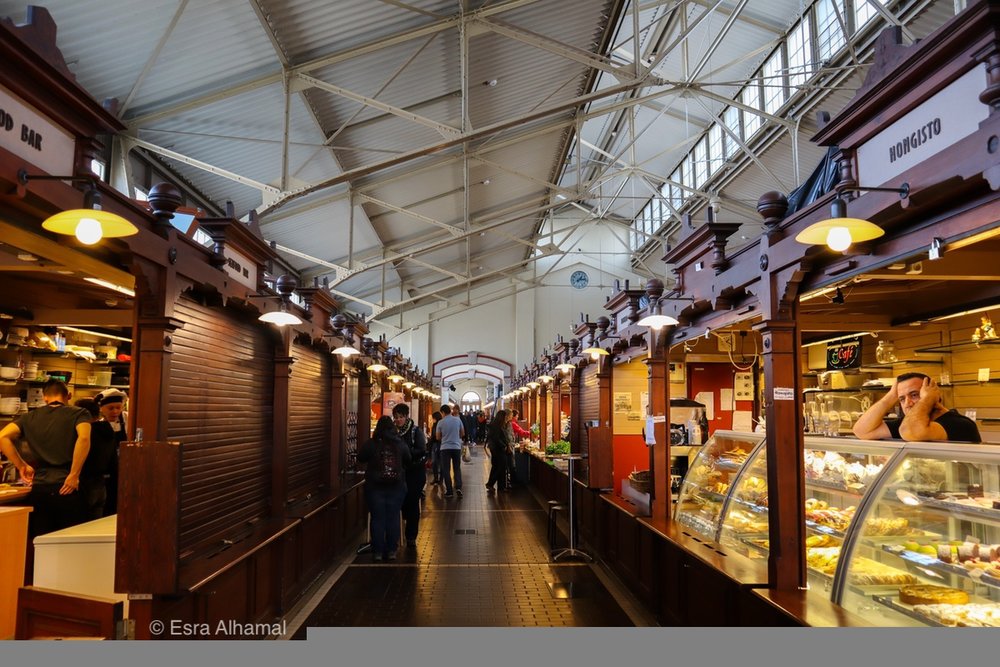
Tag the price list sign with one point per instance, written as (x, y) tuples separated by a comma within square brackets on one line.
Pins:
[(843, 354)]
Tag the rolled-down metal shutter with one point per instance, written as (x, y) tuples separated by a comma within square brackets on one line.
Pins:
[(308, 420), (590, 411), (221, 402)]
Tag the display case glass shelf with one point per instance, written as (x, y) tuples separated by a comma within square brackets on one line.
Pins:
[(947, 496), (838, 474), (706, 485)]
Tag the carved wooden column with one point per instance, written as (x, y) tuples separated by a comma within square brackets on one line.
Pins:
[(785, 465), (283, 361), (338, 426), (364, 407), (659, 401), (543, 415)]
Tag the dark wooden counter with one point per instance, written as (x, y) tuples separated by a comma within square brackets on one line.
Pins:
[(13, 494), (812, 608)]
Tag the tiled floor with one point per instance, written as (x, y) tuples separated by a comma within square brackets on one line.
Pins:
[(481, 560)]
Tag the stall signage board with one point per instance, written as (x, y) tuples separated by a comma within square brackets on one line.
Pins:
[(843, 354), (240, 267), (950, 115), (29, 135)]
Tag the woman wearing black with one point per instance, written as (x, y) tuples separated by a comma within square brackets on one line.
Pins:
[(435, 446), (499, 444), (386, 457)]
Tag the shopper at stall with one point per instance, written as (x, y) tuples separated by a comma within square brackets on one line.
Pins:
[(386, 457), (112, 403), (58, 441), (451, 433), (434, 444), (924, 416), (415, 472), (519, 431), (499, 443)]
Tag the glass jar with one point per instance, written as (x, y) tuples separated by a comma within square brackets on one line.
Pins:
[(885, 353)]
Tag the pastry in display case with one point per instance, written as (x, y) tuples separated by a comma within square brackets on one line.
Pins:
[(838, 474), (706, 486), (934, 514)]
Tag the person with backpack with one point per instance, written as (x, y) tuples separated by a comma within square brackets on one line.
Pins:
[(434, 445), (386, 457), (415, 473)]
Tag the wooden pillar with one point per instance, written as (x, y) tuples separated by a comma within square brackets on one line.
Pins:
[(364, 408), (785, 465), (152, 347), (337, 449), (657, 369), (575, 419), (543, 416), (283, 361), (556, 411)]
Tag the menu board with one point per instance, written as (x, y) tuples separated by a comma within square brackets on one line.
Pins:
[(843, 354)]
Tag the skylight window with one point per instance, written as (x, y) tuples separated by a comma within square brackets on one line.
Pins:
[(751, 98), (799, 55), (829, 36)]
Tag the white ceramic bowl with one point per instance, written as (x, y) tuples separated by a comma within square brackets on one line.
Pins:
[(10, 372)]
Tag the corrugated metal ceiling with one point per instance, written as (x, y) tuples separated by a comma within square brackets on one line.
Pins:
[(204, 83)]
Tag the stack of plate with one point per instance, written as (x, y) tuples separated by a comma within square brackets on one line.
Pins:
[(10, 405)]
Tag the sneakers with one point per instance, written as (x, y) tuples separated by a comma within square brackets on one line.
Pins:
[(377, 558), (449, 495), (459, 492), (391, 556)]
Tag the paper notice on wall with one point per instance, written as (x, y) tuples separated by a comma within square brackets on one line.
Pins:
[(743, 384), (650, 432), (726, 403), (742, 421), (644, 402), (707, 398)]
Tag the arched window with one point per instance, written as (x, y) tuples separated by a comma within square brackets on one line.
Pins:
[(471, 401)]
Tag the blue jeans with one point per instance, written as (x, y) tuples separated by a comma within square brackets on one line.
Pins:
[(451, 458), (384, 504)]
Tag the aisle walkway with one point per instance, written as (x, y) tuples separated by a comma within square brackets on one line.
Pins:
[(481, 560)]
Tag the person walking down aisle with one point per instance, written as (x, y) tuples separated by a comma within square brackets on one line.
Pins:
[(415, 472), (386, 457), (434, 445), (451, 433), (498, 442), (58, 438)]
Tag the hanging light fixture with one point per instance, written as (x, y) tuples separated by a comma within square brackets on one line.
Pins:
[(376, 367), (280, 317), (395, 377), (655, 319), (838, 232), (340, 325), (565, 367), (545, 379), (408, 384), (595, 352), (284, 286), (533, 384), (89, 224)]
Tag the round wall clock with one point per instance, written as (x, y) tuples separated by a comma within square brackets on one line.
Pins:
[(579, 279)]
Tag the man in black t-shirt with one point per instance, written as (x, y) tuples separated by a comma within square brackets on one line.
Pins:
[(924, 416), (58, 437)]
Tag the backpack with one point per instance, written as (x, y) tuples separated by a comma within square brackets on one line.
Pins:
[(387, 466), (418, 455)]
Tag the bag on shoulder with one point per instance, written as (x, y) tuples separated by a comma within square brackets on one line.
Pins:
[(388, 465), (418, 455)]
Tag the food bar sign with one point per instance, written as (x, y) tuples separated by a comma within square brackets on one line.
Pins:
[(32, 137)]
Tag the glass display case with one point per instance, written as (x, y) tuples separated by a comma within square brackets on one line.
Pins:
[(838, 474), (835, 411), (938, 507), (707, 483)]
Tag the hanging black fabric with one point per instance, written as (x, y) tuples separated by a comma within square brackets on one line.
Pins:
[(823, 178)]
